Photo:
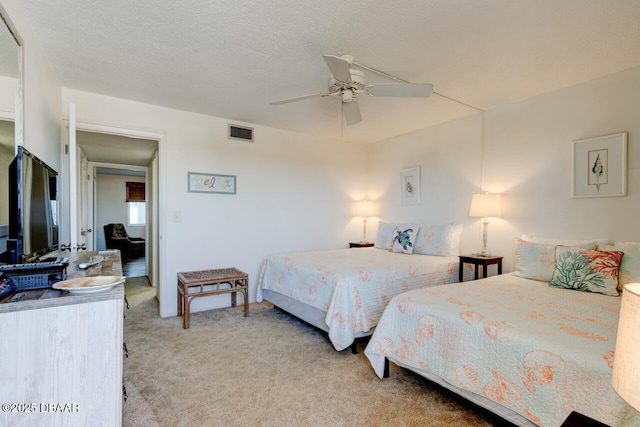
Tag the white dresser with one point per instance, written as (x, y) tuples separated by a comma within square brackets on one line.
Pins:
[(61, 357)]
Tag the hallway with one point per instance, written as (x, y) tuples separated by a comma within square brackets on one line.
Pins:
[(134, 267)]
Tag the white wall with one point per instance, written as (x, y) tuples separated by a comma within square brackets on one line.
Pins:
[(111, 206), (449, 169), (294, 192), (41, 97), (528, 158), (42, 92)]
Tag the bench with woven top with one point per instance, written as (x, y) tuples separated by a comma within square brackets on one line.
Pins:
[(192, 284)]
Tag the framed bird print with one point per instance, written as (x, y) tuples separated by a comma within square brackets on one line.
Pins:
[(600, 166)]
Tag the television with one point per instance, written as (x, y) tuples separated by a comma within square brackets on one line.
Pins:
[(33, 208)]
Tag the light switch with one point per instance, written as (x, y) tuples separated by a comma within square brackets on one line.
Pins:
[(177, 216)]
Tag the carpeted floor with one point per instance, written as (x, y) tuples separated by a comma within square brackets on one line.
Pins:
[(268, 369)]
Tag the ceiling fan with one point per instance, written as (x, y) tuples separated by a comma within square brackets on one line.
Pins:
[(348, 83)]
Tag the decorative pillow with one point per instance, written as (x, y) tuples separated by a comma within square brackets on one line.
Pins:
[(404, 237), (535, 261), (584, 243), (587, 270), (384, 235), (441, 240), (630, 266)]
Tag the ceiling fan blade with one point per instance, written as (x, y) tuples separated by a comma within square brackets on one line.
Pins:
[(351, 113), (340, 68), (401, 90), (301, 98)]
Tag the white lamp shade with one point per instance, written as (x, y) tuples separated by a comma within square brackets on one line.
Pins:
[(486, 205), (626, 366), (365, 208)]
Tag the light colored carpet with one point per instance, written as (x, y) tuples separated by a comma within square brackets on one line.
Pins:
[(269, 369)]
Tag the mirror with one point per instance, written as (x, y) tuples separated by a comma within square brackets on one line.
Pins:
[(10, 108)]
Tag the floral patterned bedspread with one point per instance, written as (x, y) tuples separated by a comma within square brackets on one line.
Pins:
[(353, 286), (539, 351)]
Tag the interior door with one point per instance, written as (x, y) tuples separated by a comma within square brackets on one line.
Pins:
[(74, 229), (90, 234), (85, 181)]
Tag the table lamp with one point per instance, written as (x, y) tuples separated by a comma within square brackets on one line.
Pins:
[(626, 367), (485, 205), (364, 209)]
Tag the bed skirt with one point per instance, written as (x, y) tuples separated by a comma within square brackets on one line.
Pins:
[(313, 316)]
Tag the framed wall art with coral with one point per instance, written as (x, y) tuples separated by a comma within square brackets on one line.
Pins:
[(211, 183), (600, 166)]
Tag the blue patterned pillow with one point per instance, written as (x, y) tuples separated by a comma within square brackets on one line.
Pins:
[(441, 240), (403, 238)]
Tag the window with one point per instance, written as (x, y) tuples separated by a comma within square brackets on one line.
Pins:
[(136, 204), (137, 213)]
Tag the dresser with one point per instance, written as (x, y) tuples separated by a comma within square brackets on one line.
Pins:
[(61, 354)]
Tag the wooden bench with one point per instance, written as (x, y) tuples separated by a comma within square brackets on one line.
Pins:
[(192, 284)]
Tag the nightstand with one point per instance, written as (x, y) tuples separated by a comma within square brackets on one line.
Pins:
[(477, 261), (360, 244), (576, 419)]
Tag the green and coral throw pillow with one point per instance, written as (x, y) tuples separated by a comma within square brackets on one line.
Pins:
[(587, 270)]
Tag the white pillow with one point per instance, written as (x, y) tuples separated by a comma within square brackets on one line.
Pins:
[(384, 235), (441, 240), (535, 261), (584, 243), (630, 267)]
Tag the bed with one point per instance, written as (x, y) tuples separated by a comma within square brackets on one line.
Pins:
[(517, 344), (345, 291)]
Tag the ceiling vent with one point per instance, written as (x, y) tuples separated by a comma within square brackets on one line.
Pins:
[(241, 133)]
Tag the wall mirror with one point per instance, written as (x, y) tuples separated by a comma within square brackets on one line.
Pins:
[(10, 108)]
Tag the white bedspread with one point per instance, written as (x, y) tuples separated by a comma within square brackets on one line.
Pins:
[(539, 351), (353, 286)]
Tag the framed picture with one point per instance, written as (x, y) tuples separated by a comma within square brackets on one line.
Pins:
[(211, 183), (600, 166), (410, 186)]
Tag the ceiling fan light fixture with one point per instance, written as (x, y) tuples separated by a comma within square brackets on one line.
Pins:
[(349, 82), (356, 83)]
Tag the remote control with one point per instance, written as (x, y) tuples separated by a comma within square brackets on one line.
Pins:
[(94, 260)]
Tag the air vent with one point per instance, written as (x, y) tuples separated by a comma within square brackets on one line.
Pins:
[(241, 133)]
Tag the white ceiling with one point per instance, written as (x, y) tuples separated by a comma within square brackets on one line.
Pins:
[(115, 149), (231, 58)]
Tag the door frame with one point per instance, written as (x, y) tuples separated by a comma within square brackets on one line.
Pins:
[(92, 171), (157, 251)]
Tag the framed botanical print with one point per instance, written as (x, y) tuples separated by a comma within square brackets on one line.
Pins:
[(410, 186), (600, 166)]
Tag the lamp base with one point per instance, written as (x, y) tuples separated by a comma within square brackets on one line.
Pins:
[(483, 255)]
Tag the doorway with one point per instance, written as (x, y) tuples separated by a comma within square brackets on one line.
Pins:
[(120, 148), (117, 194)]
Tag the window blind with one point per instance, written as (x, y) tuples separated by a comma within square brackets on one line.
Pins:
[(135, 192)]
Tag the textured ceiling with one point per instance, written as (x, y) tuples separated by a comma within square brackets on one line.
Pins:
[(231, 58)]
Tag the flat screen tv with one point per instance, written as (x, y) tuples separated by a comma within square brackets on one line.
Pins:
[(33, 208)]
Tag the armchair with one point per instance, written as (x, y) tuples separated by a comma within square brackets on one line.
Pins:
[(116, 237)]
